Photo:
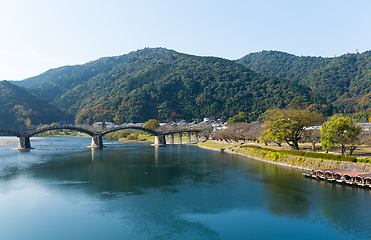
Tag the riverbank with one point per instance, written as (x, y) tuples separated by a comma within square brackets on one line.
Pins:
[(141, 138), (299, 162)]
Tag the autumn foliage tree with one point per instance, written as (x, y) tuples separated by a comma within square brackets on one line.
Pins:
[(27, 122), (289, 125), (152, 124)]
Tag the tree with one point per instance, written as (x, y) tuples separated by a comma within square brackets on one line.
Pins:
[(313, 136), (228, 135), (264, 139), (27, 122), (239, 131), (206, 133), (354, 138), (289, 125), (151, 124), (254, 132), (240, 117), (116, 119), (342, 131)]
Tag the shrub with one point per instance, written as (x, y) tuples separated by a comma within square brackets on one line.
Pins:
[(365, 160), (123, 134), (109, 135), (131, 137), (274, 156), (117, 134), (322, 155), (251, 146), (271, 150), (348, 159), (292, 152), (289, 152)]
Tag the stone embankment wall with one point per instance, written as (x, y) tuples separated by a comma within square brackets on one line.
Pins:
[(299, 162), (304, 163)]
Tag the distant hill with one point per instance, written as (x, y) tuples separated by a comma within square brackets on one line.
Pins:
[(52, 83), (344, 80), (164, 84), (17, 105)]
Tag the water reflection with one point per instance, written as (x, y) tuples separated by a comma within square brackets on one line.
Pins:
[(115, 170), (284, 196), (93, 150), (156, 155)]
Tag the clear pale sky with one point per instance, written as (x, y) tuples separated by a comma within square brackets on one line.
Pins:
[(36, 35)]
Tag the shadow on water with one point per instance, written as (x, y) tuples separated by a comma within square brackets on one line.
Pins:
[(116, 170), (341, 207)]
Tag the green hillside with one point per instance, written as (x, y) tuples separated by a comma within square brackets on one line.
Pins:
[(160, 83), (344, 80), (17, 105), (54, 82)]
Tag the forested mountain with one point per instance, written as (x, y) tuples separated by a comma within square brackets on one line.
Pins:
[(163, 84), (17, 105), (54, 82), (344, 80)]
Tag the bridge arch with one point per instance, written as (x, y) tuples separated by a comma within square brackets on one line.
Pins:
[(41, 130), (130, 127)]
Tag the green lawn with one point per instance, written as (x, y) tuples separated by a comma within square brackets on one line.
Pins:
[(215, 145)]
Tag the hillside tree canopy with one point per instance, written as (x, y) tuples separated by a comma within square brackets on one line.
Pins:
[(163, 84)]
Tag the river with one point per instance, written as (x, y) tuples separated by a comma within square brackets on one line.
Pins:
[(65, 190)]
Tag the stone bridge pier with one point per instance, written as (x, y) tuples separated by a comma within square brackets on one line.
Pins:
[(160, 140), (189, 140), (24, 143), (196, 137), (172, 138), (96, 141)]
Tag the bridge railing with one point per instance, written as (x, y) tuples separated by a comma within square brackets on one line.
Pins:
[(182, 131)]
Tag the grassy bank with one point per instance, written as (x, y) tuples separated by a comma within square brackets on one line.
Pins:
[(215, 145), (130, 136), (297, 159), (141, 138)]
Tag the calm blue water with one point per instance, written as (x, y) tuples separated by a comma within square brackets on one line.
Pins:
[(64, 190)]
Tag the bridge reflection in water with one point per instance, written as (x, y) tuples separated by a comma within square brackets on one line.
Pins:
[(97, 137)]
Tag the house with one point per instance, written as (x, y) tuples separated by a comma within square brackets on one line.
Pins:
[(108, 124)]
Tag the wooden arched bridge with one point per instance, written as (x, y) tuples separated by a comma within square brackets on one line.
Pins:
[(97, 137)]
